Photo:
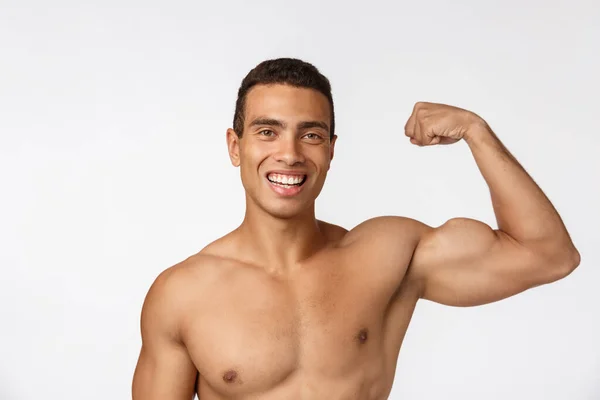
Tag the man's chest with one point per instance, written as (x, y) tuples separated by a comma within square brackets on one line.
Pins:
[(254, 334)]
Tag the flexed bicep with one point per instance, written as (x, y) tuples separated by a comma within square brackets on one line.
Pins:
[(466, 263)]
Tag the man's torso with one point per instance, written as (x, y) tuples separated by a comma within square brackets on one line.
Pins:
[(330, 328)]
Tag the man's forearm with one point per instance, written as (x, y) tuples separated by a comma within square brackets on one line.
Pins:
[(522, 210)]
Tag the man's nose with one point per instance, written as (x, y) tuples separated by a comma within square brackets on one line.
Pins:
[(290, 152)]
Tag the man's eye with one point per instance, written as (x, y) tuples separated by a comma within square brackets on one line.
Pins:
[(312, 136), (266, 132)]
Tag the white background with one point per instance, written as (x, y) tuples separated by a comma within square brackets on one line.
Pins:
[(113, 167)]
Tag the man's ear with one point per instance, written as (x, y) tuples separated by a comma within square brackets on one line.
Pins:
[(332, 149), (233, 146)]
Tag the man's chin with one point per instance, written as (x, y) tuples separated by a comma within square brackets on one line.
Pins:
[(286, 214), (287, 211)]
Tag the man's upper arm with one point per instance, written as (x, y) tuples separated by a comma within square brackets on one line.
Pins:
[(164, 370), (466, 263)]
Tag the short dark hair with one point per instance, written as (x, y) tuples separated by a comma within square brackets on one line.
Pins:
[(289, 71)]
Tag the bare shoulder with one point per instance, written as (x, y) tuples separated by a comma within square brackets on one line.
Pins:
[(187, 274), (388, 231), (176, 290), (387, 244)]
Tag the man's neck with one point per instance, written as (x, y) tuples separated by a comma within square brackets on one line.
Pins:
[(278, 244)]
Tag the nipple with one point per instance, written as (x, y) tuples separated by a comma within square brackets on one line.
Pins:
[(230, 376), (362, 336)]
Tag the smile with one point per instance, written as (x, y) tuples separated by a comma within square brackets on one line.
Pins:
[(286, 181), (286, 185)]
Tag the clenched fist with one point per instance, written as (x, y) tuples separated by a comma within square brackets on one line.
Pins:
[(432, 123)]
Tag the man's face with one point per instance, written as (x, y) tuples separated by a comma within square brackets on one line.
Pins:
[(285, 151)]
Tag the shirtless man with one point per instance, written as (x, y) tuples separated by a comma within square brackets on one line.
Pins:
[(290, 307)]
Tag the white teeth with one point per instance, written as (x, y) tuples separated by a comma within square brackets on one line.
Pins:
[(286, 179)]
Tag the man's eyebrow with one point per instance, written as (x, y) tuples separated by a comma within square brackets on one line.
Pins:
[(301, 125), (313, 124), (268, 121)]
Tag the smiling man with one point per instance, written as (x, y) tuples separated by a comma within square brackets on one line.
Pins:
[(290, 307)]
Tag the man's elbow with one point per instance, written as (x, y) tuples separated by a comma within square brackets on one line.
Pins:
[(563, 262), (572, 261)]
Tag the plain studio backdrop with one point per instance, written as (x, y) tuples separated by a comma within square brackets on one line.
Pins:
[(113, 167)]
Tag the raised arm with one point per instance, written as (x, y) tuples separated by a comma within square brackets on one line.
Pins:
[(164, 370), (465, 262)]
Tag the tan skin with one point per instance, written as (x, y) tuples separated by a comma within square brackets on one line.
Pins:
[(290, 307)]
